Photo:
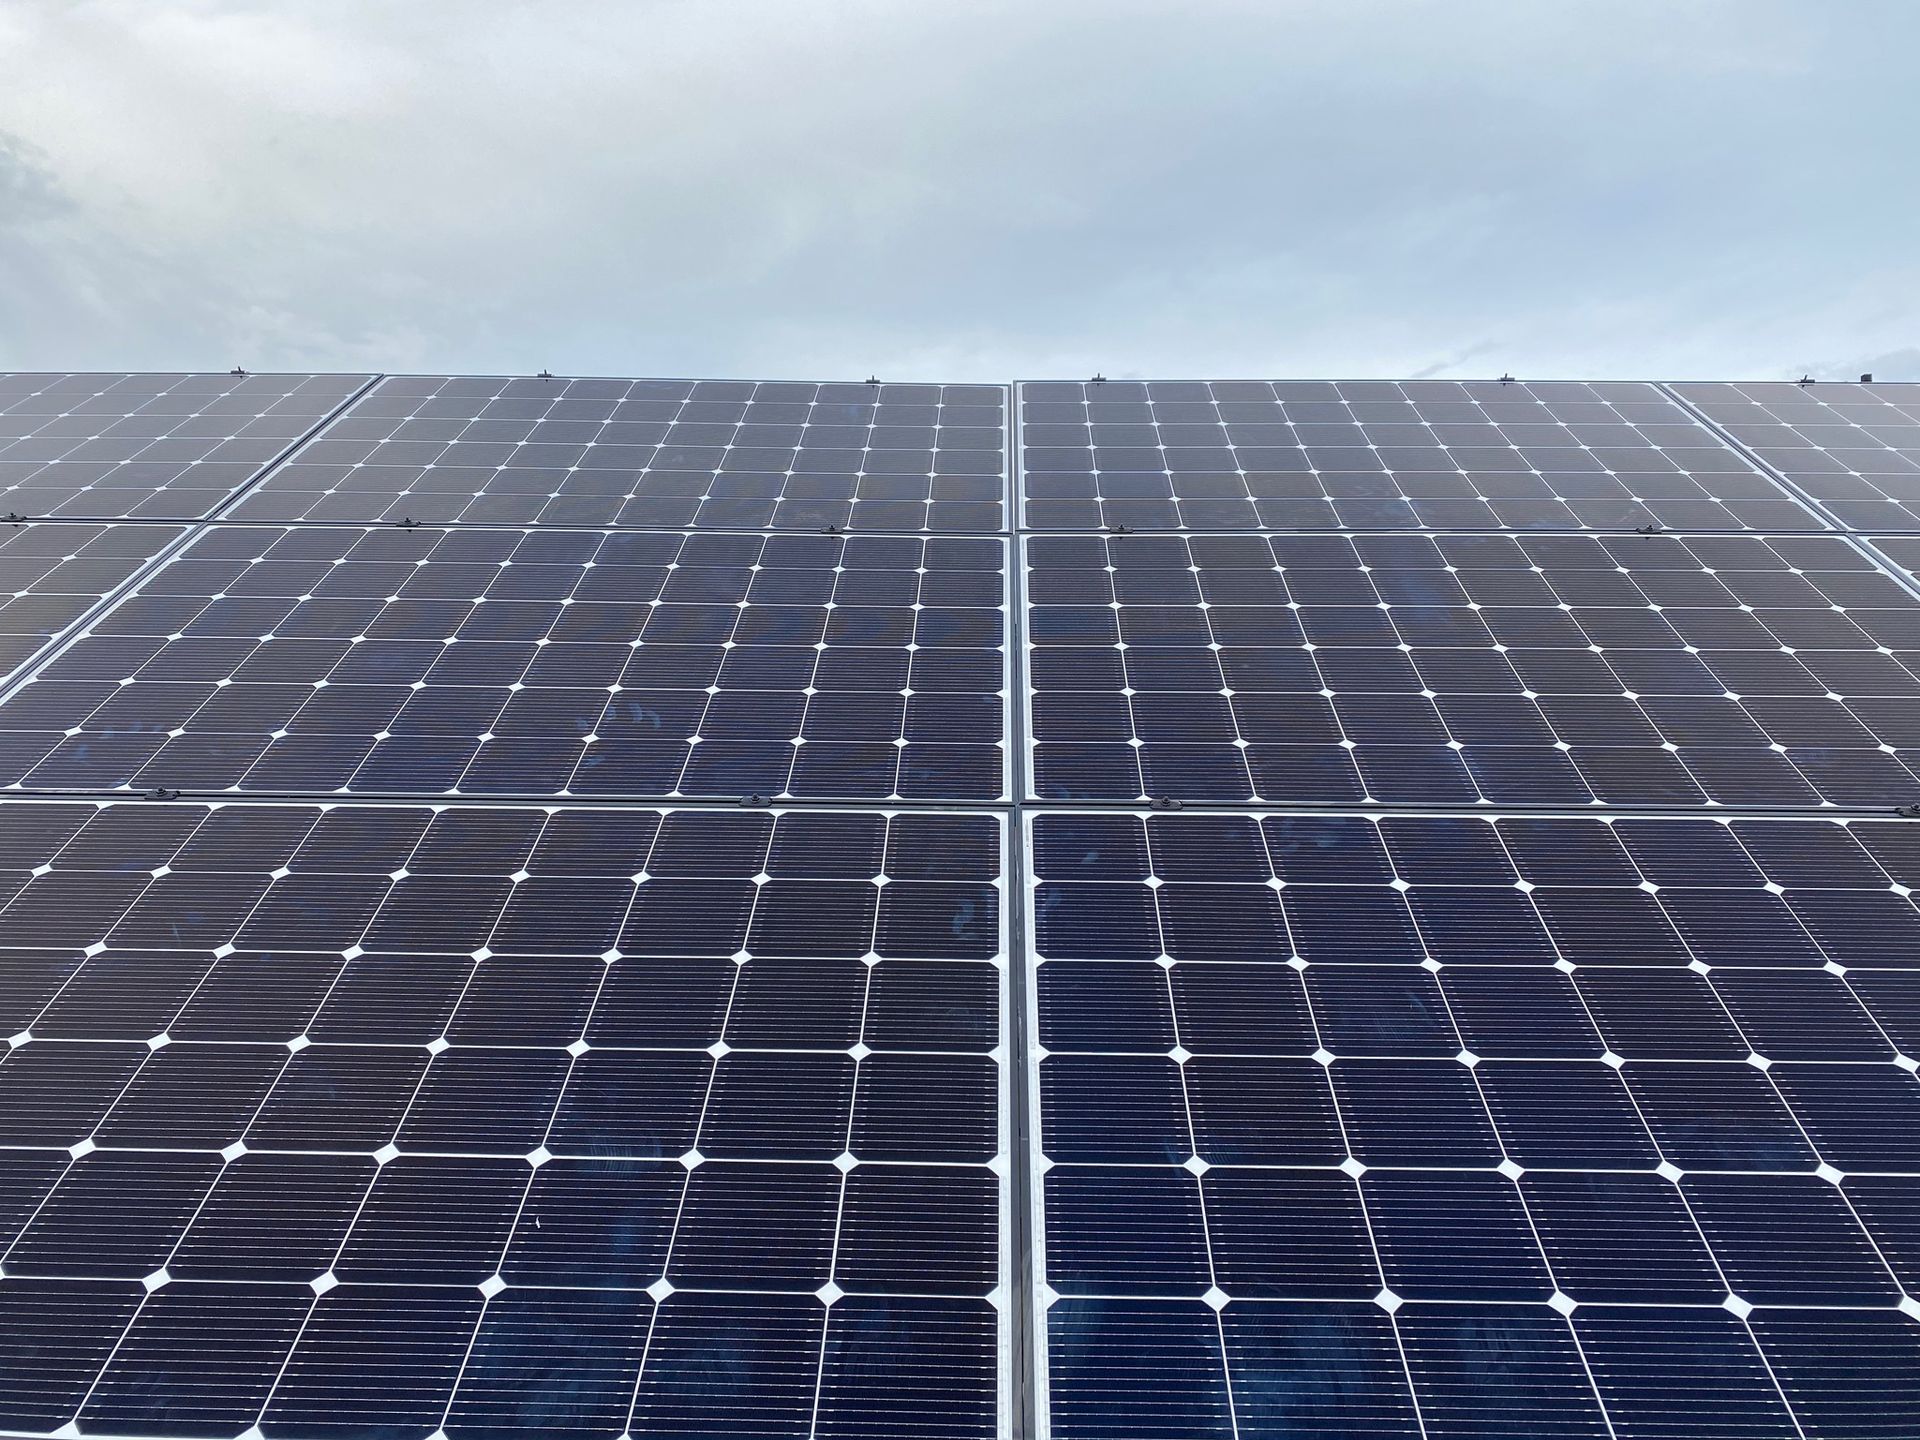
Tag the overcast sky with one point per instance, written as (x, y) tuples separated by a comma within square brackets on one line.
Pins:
[(964, 191)]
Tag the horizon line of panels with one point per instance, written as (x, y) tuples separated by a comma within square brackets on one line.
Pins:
[(483, 1118), (1418, 1125), (654, 454), (149, 446), (1384, 455), (1854, 448), (1498, 669), (616, 664)]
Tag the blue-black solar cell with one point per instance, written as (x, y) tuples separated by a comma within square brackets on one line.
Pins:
[(917, 1228), (1675, 1374), (768, 1384), (198, 1359), (1242, 1009), (552, 1360), (756, 1227), (1100, 1005), (1860, 1117), (1621, 1237), (1288, 1234), (54, 1337), (602, 1223), (1637, 671), (922, 1366), (1260, 1110), (1114, 1109), (1413, 1112), (1717, 1116), (274, 1217), (1445, 1235), (499, 662), (1520, 1013), (374, 1357), (1131, 1231), (1317, 1371), (1505, 1371), (1847, 1372), (1788, 1240), (1136, 1369)]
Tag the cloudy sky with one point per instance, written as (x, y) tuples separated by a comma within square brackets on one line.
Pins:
[(972, 190)]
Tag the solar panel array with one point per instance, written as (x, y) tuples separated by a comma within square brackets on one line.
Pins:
[(1853, 449), (670, 908)]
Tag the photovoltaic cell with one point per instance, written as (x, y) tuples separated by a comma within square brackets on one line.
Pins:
[(498, 1119), (154, 447), (655, 454), (1623, 671), (1853, 448), (52, 574), (439, 661), (1413, 1124), (1383, 455)]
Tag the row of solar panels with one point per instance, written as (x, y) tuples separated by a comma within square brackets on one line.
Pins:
[(1568, 1090), (1366, 455), (355, 1119), (1512, 670)]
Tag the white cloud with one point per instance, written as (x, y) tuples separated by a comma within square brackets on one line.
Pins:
[(972, 190)]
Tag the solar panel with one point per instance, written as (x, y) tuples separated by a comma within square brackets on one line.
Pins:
[(1409, 1124), (53, 574), (151, 447), (1383, 455), (1853, 448), (438, 661), (663, 454), (330, 1118), (1628, 670)]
